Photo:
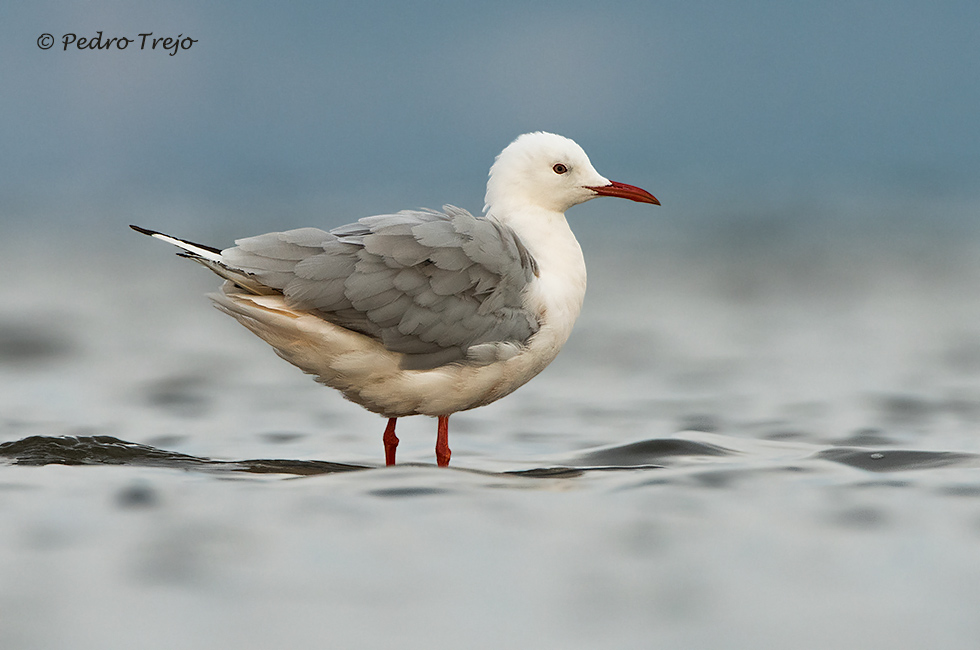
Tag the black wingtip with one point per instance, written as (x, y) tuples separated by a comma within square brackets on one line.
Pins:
[(174, 240), (144, 230)]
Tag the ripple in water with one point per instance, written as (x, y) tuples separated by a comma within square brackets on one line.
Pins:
[(649, 455)]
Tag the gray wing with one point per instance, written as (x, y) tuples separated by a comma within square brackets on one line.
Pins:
[(436, 286)]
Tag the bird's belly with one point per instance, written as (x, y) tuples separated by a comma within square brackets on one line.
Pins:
[(459, 386), (372, 376)]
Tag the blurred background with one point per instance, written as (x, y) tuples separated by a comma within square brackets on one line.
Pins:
[(811, 282), (752, 121)]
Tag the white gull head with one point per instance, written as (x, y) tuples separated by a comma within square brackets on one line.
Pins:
[(549, 172)]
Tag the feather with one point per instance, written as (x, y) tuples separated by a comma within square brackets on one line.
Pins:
[(430, 285)]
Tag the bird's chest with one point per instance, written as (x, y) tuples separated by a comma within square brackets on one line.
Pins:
[(557, 292)]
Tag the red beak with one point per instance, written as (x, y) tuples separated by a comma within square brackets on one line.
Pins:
[(624, 191)]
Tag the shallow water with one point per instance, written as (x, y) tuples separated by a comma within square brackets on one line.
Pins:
[(728, 453)]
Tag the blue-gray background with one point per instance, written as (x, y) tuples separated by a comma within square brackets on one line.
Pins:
[(810, 285), (746, 118)]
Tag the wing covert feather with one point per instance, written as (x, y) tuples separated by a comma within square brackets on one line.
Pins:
[(436, 286)]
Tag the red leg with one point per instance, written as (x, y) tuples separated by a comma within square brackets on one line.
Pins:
[(442, 442), (391, 442)]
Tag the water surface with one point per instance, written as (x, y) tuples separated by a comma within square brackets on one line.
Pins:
[(726, 454)]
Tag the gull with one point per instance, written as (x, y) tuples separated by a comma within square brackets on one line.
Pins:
[(425, 312)]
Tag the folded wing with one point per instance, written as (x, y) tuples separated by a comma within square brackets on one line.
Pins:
[(437, 287)]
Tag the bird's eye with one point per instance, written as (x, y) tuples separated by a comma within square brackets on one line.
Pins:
[(559, 168)]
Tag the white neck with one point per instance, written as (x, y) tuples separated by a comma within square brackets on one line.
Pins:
[(557, 293)]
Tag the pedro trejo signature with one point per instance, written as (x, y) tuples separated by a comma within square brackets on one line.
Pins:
[(146, 41)]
